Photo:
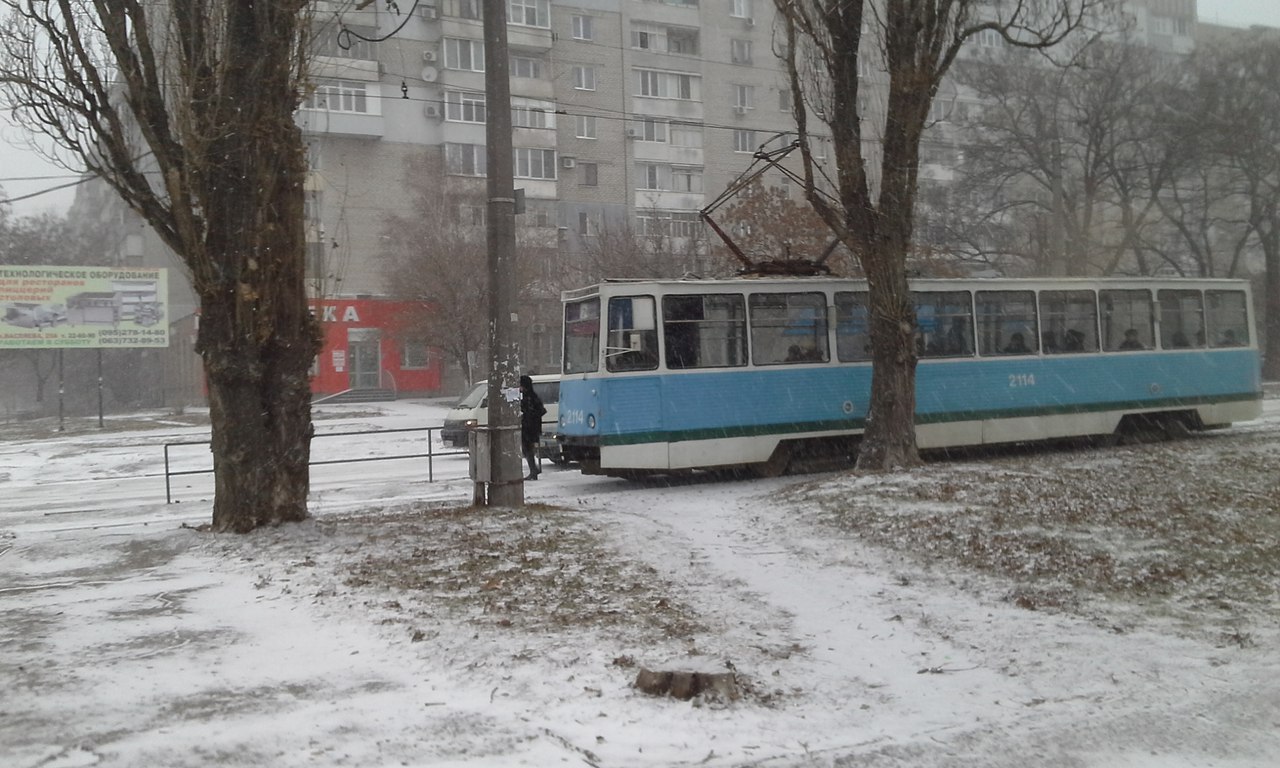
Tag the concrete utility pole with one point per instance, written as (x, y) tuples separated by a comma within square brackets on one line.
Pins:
[(505, 481)]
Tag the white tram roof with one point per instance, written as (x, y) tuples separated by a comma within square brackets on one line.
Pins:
[(624, 286)]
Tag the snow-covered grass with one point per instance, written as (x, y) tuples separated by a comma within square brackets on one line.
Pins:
[(1100, 607)]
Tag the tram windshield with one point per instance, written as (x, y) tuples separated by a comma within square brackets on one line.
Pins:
[(582, 336)]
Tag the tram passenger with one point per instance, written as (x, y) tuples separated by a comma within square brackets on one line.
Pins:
[(957, 341), (1073, 341), (531, 412), (1229, 339), (1131, 340), (1017, 345)]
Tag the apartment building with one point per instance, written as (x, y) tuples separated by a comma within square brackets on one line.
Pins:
[(627, 114)]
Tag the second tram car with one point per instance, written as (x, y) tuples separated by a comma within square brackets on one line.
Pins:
[(676, 375)]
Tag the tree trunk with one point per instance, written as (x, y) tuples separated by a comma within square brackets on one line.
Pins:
[(890, 439), (257, 336), (1271, 281)]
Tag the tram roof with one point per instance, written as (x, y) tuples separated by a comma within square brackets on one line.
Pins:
[(613, 285)]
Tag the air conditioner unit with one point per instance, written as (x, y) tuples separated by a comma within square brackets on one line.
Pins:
[(429, 11), (568, 162), (429, 56), (538, 327), (631, 133), (739, 110), (431, 110), (750, 21)]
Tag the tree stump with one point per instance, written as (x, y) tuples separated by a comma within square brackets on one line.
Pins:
[(685, 685)]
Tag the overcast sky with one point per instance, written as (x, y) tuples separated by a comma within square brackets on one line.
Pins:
[(23, 172)]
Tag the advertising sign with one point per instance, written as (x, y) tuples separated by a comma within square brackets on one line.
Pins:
[(95, 307)]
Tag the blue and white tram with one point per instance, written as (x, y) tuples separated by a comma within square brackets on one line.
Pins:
[(674, 375)]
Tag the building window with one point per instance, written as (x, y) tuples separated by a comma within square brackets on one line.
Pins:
[(535, 163), (526, 66), (462, 54), (682, 41), (784, 100), (653, 176), (740, 51), (686, 179), (326, 43), (338, 96), (463, 107), (744, 141), (527, 113), (465, 159), (529, 13), (582, 28), (464, 9), (740, 9), (584, 78), (652, 130), (414, 355), (685, 224), (584, 223), (686, 135), (668, 85), (585, 126), (744, 96), (645, 39), (588, 174)]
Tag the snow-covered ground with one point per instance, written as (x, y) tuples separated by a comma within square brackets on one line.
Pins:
[(130, 640)]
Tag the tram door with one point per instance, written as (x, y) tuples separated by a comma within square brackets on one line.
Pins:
[(364, 355)]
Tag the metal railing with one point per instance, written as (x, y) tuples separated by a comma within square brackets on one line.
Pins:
[(430, 455)]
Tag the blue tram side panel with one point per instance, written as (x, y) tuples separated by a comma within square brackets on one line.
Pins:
[(734, 399)]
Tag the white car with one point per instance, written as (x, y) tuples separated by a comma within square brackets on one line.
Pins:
[(472, 410)]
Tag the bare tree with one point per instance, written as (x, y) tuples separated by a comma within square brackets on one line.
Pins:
[(186, 111), (439, 257), (1073, 157), (1241, 85), (769, 226), (916, 42)]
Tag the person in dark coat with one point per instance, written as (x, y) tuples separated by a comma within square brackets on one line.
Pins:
[(531, 412)]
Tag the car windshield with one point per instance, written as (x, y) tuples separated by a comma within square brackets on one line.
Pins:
[(475, 396)]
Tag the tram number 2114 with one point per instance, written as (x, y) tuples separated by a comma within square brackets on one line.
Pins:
[(1022, 380)]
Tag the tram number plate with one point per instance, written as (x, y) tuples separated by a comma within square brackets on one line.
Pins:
[(1022, 380)]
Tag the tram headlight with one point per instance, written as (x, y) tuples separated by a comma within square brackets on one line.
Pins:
[(591, 421)]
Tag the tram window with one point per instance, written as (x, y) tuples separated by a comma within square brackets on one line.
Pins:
[(853, 326), (1227, 318), (704, 331), (944, 323), (1007, 323), (1127, 320), (632, 340), (788, 328), (1181, 319), (582, 336), (1068, 322)]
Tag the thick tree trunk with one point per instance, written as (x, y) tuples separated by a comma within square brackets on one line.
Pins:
[(890, 439), (1271, 281), (257, 336)]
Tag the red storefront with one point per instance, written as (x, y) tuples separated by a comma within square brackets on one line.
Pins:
[(366, 347)]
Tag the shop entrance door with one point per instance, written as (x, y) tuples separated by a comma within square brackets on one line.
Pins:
[(364, 356)]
